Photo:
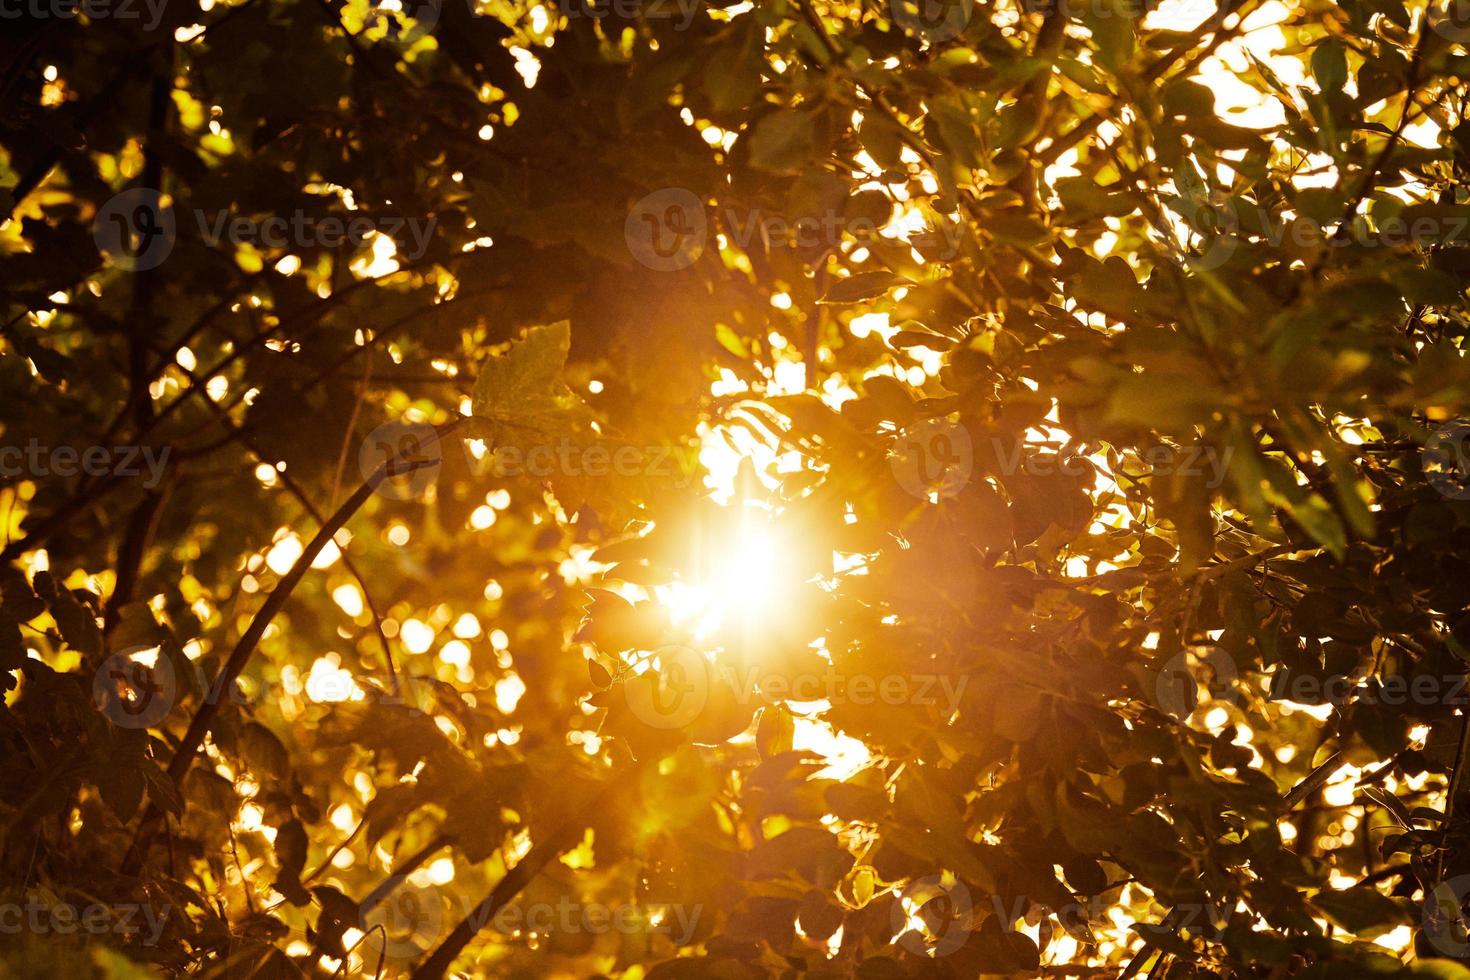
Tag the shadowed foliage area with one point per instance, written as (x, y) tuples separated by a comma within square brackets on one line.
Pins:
[(680, 488)]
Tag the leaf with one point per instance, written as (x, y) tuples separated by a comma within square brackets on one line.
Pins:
[(614, 624), (52, 366), (731, 341), (1110, 287), (265, 753), (162, 790), (1435, 224), (598, 674), (1329, 65), (521, 390), (255, 960), (1361, 910), (1085, 875), (775, 733), (882, 139), (1318, 519), (819, 915), (75, 620), (19, 600), (136, 627), (339, 913), (1386, 799), (290, 848), (732, 75), (121, 787), (1112, 28), (1163, 402), (919, 338), (864, 285), (783, 141), (1018, 713)]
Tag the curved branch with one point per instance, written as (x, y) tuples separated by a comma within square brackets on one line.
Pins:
[(209, 710), (563, 838)]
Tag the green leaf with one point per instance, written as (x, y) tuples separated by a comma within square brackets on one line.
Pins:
[(864, 285), (1164, 402), (732, 75), (783, 141), (1318, 519), (882, 139), (1361, 910), (1329, 65), (521, 390), (1112, 30)]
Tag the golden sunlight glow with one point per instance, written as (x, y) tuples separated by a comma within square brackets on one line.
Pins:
[(740, 584), (746, 579), (744, 583), (843, 754)]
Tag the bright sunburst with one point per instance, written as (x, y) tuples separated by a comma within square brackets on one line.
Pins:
[(739, 580)]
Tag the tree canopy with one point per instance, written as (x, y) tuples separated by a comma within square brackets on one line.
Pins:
[(661, 488)]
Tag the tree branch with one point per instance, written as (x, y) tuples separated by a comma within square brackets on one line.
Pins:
[(214, 699), (561, 839)]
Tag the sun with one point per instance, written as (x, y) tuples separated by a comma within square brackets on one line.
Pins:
[(748, 574), (740, 580)]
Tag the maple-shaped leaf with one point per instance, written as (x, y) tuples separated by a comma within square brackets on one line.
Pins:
[(520, 393)]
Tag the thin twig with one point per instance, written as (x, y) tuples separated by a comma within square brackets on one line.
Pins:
[(209, 710)]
